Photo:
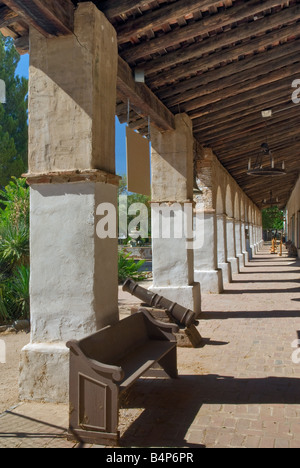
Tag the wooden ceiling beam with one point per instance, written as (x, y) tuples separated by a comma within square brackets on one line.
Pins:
[(234, 83), (216, 59), (160, 16), (234, 154), (50, 17), (54, 18), (142, 100), (247, 99), (233, 71), (207, 46), (253, 86), (202, 27), (7, 16), (227, 132), (245, 147), (114, 8), (276, 103), (235, 162)]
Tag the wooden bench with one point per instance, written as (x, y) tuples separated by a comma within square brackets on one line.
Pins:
[(105, 364)]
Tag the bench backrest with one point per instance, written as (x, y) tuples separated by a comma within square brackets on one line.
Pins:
[(114, 342)]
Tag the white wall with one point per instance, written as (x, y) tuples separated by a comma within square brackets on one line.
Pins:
[(293, 212)]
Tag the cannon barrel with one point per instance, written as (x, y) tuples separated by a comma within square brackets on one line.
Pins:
[(180, 314)]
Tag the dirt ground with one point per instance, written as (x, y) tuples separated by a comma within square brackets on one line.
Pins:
[(10, 370)]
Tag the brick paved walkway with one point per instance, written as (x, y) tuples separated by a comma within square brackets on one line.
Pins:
[(241, 389)]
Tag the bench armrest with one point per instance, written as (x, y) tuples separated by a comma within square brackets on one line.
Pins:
[(168, 329), (117, 373)]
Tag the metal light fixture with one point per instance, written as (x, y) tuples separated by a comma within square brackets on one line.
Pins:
[(260, 169), (271, 202)]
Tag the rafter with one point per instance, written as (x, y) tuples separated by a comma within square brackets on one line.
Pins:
[(142, 100), (156, 18), (224, 133), (227, 55), (199, 28), (50, 17), (209, 45), (7, 16), (233, 72), (246, 100), (256, 86), (113, 8), (232, 84), (241, 111)]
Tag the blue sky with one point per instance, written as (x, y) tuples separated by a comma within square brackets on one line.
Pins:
[(23, 70)]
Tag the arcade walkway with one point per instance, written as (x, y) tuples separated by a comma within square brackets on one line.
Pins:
[(241, 389)]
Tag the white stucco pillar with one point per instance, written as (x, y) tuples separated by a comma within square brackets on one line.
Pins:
[(238, 244), (252, 239), (260, 234), (256, 238), (172, 185), (243, 242), (259, 237), (231, 245), (74, 280), (223, 264), (207, 272)]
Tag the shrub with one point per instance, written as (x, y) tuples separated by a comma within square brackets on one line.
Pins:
[(14, 251), (129, 268)]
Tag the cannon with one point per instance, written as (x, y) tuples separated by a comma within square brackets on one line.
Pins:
[(181, 315)]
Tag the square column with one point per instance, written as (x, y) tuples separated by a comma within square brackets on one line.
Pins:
[(231, 246), (252, 240), (244, 243), (223, 264), (207, 272), (238, 244), (172, 191), (74, 275)]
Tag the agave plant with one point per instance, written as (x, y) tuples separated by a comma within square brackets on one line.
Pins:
[(14, 244), (17, 293), (14, 251)]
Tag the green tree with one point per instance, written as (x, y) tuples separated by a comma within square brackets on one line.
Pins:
[(13, 115), (272, 219), (134, 198)]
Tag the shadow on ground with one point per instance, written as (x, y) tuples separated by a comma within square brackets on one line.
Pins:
[(171, 406)]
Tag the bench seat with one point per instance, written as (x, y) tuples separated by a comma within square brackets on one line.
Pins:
[(106, 363), (135, 364)]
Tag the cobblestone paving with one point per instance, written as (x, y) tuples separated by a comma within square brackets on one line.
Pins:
[(240, 389)]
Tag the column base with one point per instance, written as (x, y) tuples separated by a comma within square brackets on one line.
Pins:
[(234, 262), (241, 260), (227, 273), (186, 296), (44, 373), (211, 281), (246, 257)]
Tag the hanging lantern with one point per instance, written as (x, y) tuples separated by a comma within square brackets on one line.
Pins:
[(273, 201), (261, 169)]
